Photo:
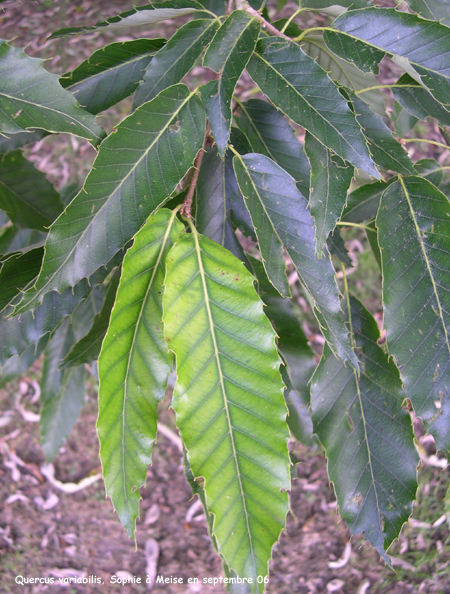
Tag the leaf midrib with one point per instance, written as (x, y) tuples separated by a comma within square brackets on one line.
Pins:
[(223, 391), (427, 262), (328, 123), (134, 343), (156, 139)]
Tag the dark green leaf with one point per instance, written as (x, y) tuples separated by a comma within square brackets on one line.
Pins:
[(137, 16), (367, 435), (372, 237), (295, 351), (17, 365), (136, 170), (111, 73), (269, 134), (215, 187), (218, 7), (133, 367), (87, 349), (418, 101), (16, 334), (363, 203), (228, 54), (385, 150), (435, 10), (16, 272), (26, 195), (33, 98), (330, 181), (175, 59), (413, 233), (424, 44), (227, 364), (431, 170), (62, 392), (281, 218), (297, 85), (339, 6), (336, 247), (13, 239), (403, 121), (14, 141)]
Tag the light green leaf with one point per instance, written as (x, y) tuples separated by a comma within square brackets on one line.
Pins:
[(227, 366), (269, 134), (367, 435), (26, 195), (87, 349), (136, 170), (31, 97), (228, 54), (137, 16), (62, 392), (133, 367), (281, 218), (330, 182), (413, 233), (111, 73), (298, 86), (424, 44), (418, 101), (175, 59)]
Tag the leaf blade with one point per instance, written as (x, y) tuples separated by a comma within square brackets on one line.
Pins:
[(413, 238), (367, 435), (131, 383), (89, 233), (285, 74), (256, 469), (33, 98)]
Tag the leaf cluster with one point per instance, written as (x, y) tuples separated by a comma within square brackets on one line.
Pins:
[(201, 219)]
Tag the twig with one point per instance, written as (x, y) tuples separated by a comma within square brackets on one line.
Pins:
[(187, 204), (265, 24)]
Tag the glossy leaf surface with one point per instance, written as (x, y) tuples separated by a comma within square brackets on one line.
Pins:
[(175, 59), (111, 73), (367, 435), (133, 367), (33, 98), (330, 182), (136, 170), (423, 43), (413, 233), (227, 364), (228, 54), (26, 195), (302, 90), (269, 134), (281, 218), (215, 187)]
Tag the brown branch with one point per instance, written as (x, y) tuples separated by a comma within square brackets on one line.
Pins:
[(265, 24), (187, 204)]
